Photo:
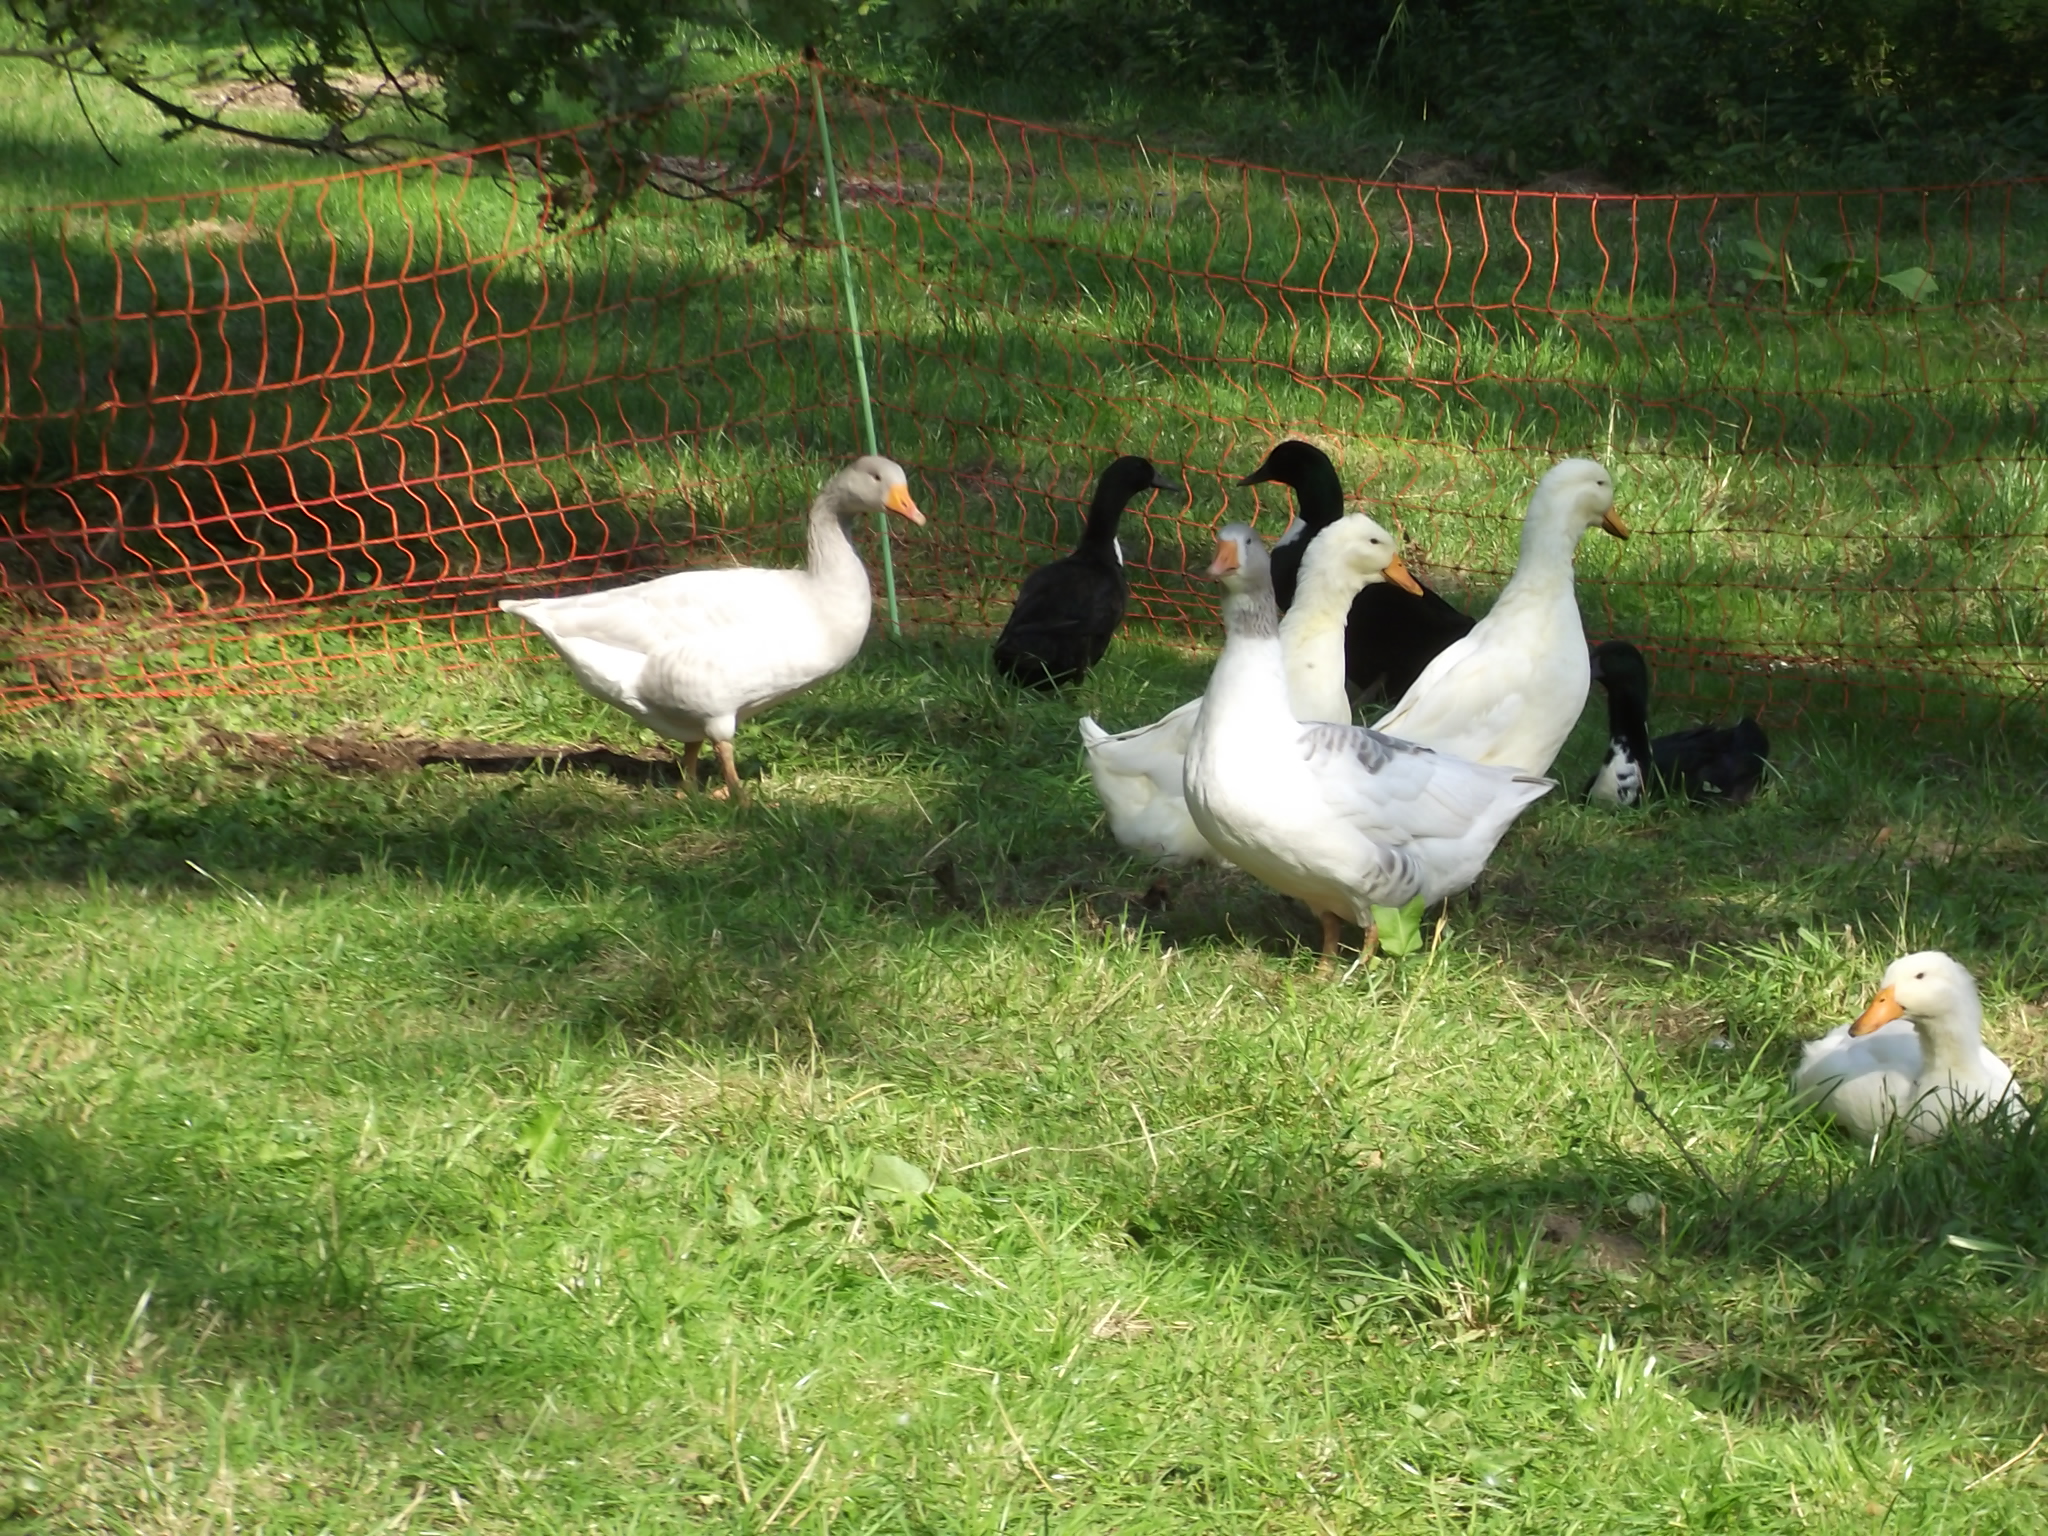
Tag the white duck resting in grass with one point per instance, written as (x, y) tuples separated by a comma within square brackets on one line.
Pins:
[(1344, 818), (691, 655), (1510, 692), (1137, 774), (1915, 1057)]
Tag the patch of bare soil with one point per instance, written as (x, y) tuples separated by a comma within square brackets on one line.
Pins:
[(363, 87), (408, 754)]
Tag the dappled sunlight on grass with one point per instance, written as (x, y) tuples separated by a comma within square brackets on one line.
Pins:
[(535, 1127)]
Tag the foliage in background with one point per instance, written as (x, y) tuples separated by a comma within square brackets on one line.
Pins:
[(1645, 91), (476, 70)]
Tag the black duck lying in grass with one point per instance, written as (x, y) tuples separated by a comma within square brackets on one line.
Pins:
[(1711, 764), (1067, 611), (1391, 634)]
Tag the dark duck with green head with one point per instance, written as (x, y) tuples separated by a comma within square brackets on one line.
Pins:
[(1066, 612), (1390, 634), (1711, 764)]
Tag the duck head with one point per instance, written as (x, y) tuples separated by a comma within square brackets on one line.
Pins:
[(1127, 477), (1620, 669), (1308, 470), (1579, 494), (1932, 990), (872, 483), (1361, 551), (1240, 563)]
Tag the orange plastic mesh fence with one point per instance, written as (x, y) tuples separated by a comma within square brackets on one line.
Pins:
[(250, 437)]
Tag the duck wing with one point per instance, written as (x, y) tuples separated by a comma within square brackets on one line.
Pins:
[(1391, 636), (1062, 622), (1468, 700), (1713, 763), (1386, 785)]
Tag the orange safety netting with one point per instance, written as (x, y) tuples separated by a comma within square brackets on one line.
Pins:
[(250, 437)]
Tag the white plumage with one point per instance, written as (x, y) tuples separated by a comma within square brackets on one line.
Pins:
[(1510, 692), (691, 655), (1916, 1055), (1341, 817), (1137, 773)]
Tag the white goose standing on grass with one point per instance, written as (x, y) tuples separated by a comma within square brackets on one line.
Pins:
[(1341, 817), (692, 654), (1138, 773), (1510, 692), (1916, 1056)]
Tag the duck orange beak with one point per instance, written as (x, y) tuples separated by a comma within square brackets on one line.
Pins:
[(1226, 560), (1611, 521), (1397, 573), (898, 501), (1882, 1010)]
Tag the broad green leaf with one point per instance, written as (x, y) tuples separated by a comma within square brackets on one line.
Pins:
[(740, 1211), (538, 1139), (1763, 255), (1916, 283), (1400, 927), (894, 1179)]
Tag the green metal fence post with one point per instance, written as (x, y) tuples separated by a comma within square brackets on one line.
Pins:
[(860, 357)]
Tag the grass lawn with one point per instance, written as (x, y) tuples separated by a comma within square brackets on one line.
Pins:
[(445, 1151)]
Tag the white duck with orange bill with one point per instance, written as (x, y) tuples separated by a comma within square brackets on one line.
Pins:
[(692, 654), (1914, 1058)]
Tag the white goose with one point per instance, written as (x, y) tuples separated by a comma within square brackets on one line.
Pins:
[(1341, 817), (692, 654), (1137, 773), (1510, 692), (1916, 1055)]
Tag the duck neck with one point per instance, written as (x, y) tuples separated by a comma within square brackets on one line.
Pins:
[(1950, 1041), (1544, 569), (1105, 512), (1628, 722), (1251, 666), (1323, 591), (832, 555), (1319, 495)]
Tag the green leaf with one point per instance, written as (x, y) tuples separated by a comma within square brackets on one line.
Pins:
[(1400, 927), (542, 1132), (1764, 255), (1977, 1244), (894, 1179), (740, 1211), (1916, 283)]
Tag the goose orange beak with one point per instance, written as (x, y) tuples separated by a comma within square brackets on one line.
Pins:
[(1397, 573), (898, 501), (1226, 560), (1611, 521), (1882, 1010)]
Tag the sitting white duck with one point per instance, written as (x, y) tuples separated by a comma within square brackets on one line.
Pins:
[(1510, 692), (692, 654), (1341, 817), (1915, 1056), (1137, 773)]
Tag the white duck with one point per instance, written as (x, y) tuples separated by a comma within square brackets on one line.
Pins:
[(1510, 692), (1341, 817), (1916, 1055), (692, 654), (1137, 773)]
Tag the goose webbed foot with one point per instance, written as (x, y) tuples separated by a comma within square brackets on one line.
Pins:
[(1333, 930), (731, 788)]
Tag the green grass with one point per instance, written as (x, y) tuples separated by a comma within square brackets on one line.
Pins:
[(1832, 484), (504, 1151), (514, 1152)]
